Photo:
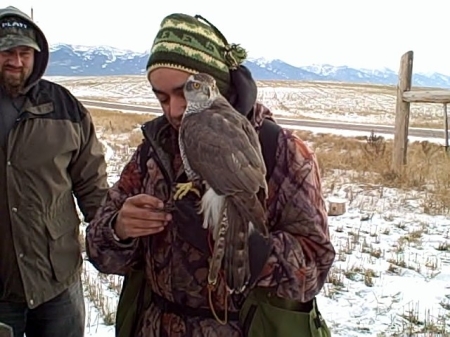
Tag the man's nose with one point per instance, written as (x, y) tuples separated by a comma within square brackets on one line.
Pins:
[(177, 107), (15, 60)]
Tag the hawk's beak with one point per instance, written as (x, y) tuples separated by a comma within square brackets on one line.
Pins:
[(207, 91)]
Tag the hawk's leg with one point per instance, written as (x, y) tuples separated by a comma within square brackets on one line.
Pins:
[(182, 189)]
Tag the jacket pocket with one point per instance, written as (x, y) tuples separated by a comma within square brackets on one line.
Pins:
[(267, 315), (64, 246)]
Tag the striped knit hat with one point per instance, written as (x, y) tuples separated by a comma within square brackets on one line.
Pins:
[(186, 43)]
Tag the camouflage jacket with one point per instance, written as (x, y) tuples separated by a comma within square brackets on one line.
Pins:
[(176, 265)]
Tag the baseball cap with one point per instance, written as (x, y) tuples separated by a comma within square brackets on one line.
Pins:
[(15, 32)]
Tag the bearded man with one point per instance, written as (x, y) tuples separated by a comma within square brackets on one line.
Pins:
[(49, 153)]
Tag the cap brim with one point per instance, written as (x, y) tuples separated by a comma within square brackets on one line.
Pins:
[(12, 41)]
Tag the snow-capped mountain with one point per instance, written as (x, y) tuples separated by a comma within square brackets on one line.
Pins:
[(72, 60)]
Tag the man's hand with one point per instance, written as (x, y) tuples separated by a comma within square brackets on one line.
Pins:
[(141, 215)]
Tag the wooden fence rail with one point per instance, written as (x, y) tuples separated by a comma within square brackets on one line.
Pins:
[(406, 96)]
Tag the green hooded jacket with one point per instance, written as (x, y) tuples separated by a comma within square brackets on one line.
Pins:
[(51, 155)]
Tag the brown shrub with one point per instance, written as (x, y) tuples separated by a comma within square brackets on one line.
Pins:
[(370, 157), (427, 162), (115, 122)]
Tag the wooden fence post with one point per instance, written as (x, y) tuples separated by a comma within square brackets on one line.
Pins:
[(446, 127), (399, 152)]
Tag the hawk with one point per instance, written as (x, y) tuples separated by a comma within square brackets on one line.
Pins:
[(220, 150)]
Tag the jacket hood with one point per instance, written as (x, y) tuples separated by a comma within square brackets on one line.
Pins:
[(41, 58), (243, 90)]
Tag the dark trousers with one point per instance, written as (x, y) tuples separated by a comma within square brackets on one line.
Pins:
[(62, 316)]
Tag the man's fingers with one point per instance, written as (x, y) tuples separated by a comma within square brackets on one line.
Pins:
[(146, 214), (145, 200), (138, 224), (135, 228), (142, 215)]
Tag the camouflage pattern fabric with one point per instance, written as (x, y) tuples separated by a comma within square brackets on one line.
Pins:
[(15, 32)]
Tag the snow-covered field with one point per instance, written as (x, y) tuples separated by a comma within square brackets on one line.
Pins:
[(361, 103), (392, 268)]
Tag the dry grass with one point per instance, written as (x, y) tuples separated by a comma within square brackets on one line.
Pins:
[(369, 159), (114, 123), (414, 123), (103, 291)]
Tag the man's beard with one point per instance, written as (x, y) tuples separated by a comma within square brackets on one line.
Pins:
[(12, 83)]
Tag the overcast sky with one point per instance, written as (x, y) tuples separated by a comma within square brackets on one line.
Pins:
[(359, 33)]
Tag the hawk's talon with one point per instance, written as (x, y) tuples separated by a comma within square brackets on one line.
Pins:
[(184, 188)]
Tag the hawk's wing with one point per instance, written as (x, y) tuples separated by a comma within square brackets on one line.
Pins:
[(216, 143)]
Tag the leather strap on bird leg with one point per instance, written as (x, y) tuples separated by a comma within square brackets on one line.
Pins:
[(211, 306)]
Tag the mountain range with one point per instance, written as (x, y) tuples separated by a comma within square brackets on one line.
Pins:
[(74, 60)]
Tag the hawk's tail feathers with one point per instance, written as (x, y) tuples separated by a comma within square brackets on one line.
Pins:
[(218, 252), (244, 213), (236, 263)]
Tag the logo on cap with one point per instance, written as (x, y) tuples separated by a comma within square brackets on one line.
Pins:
[(15, 32)]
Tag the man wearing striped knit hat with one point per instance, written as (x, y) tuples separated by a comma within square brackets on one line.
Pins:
[(164, 253)]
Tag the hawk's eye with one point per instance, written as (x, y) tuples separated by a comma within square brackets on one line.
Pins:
[(196, 85)]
